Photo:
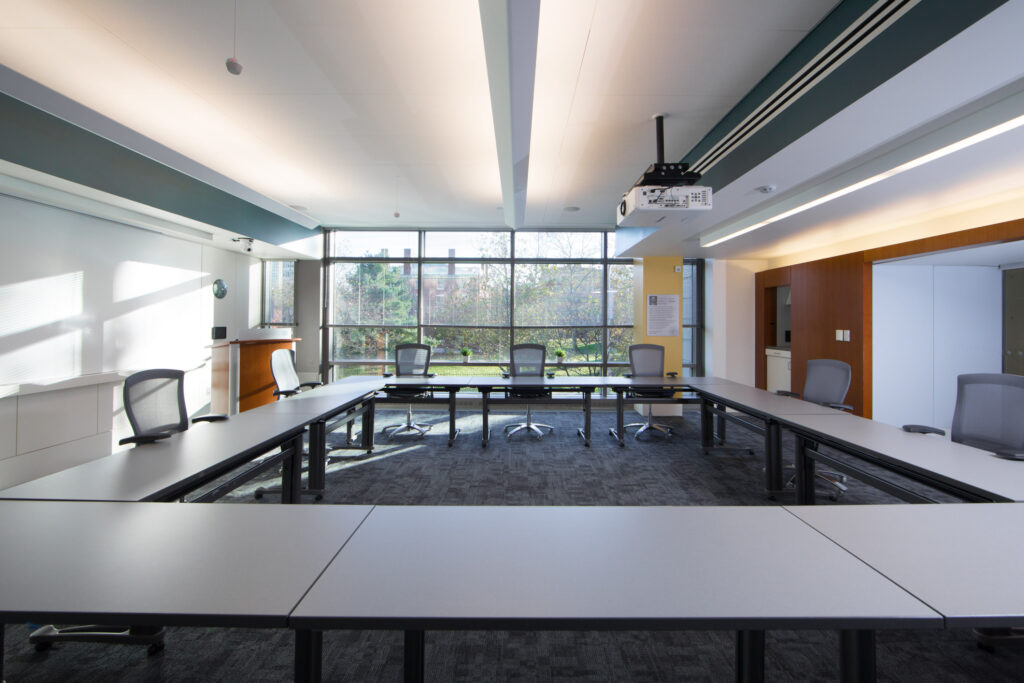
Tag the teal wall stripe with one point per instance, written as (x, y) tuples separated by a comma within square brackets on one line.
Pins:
[(35, 139), (925, 27)]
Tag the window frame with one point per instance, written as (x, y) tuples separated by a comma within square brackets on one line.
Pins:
[(696, 366)]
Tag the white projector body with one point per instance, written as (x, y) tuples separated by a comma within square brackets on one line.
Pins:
[(655, 206)]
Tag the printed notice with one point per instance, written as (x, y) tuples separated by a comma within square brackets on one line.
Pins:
[(662, 315)]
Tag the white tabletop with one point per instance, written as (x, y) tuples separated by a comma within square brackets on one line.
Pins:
[(160, 563), (931, 455), (584, 567), (761, 402), (965, 561), (157, 470)]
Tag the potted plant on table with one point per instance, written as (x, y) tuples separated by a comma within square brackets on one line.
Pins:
[(466, 353), (560, 355)]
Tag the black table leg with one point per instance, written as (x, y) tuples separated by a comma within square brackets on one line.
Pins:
[(585, 432), (414, 656), (291, 472), (620, 417), (308, 655), (857, 656), (804, 473), (720, 425), (772, 457), (318, 456), (707, 425), (367, 435), (452, 430), (749, 656), (485, 394), (3, 627)]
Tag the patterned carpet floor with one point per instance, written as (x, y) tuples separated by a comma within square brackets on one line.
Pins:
[(556, 470)]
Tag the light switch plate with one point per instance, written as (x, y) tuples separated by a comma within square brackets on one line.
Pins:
[(846, 335), (679, 269), (839, 335)]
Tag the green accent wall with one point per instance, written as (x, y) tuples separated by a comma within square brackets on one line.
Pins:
[(35, 139), (922, 29)]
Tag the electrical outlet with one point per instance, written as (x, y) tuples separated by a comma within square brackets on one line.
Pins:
[(679, 269)]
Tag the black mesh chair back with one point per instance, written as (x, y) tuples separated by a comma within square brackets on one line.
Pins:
[(648, 360), (154, 401), (989, 412), (527, 360), (412, 360), (827, 381), (282, 367)]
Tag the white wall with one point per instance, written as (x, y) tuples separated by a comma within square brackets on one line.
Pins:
[(729, 319), (83, 300), (930, 324)]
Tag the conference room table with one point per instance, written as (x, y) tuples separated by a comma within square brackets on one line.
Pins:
[(970, 474), (717, 396), (961, 560), (152, 564), (487, 386), (742, 569), (171, 468)]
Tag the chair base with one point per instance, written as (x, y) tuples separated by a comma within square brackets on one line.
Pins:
[(530, 426), (652, 427), (988, 638), (153, 636), (407, 426)]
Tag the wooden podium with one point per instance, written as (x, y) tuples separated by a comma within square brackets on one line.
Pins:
[(241, 377)]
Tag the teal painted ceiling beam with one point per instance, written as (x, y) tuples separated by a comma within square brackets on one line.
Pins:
[(924, 27), (35, 139)]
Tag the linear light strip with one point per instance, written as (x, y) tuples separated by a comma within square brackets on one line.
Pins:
[(896, 170)]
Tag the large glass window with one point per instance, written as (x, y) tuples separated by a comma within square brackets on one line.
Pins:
[(278, 293), (484, 291)]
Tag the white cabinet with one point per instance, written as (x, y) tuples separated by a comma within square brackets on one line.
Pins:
[(779, 365)]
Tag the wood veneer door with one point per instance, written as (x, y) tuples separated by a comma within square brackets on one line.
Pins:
[(1013, 321)]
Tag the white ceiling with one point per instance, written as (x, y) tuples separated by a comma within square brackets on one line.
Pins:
[(355, 111)]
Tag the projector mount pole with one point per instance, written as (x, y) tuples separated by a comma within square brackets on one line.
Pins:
[(659, 123)]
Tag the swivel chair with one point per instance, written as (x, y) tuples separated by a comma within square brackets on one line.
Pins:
[(648, 360), (286, 380), (527, 360), (154, 401), (826, 384), (411, 360)]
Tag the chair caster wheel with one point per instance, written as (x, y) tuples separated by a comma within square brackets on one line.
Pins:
[(155, 648), (318, 497), (258, 495), (43, 647)]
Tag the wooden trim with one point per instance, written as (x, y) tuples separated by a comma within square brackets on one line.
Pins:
[(1010, 231)]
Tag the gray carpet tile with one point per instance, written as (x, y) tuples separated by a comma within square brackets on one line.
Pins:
[(556, 470)]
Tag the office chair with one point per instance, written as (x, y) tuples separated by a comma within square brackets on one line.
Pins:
[(987, 415), (826, 384), (527, 360), (411, 360), (648, 360), (154, 401), (282, 367)]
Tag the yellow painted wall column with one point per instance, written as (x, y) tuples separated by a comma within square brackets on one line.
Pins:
[(661, 275)]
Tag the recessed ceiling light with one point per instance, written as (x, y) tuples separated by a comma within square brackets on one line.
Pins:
[(766, 189), (572, 208)]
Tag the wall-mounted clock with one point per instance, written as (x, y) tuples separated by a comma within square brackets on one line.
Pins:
[(220, 288)]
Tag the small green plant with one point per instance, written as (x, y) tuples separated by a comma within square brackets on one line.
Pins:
[(466, 352), (560, 354)]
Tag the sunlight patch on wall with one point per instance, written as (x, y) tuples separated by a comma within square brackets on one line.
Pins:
[(34, 303), (57, 357), (133, 279)]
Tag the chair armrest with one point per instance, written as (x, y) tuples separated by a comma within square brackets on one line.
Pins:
[(627, 374), (672, 374), (840, 406), (285, 392), (923, 429), (213, 417), (431, 374), (387, 374), (144, 438), (794, 394), (1009, 455), (311, 384)]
